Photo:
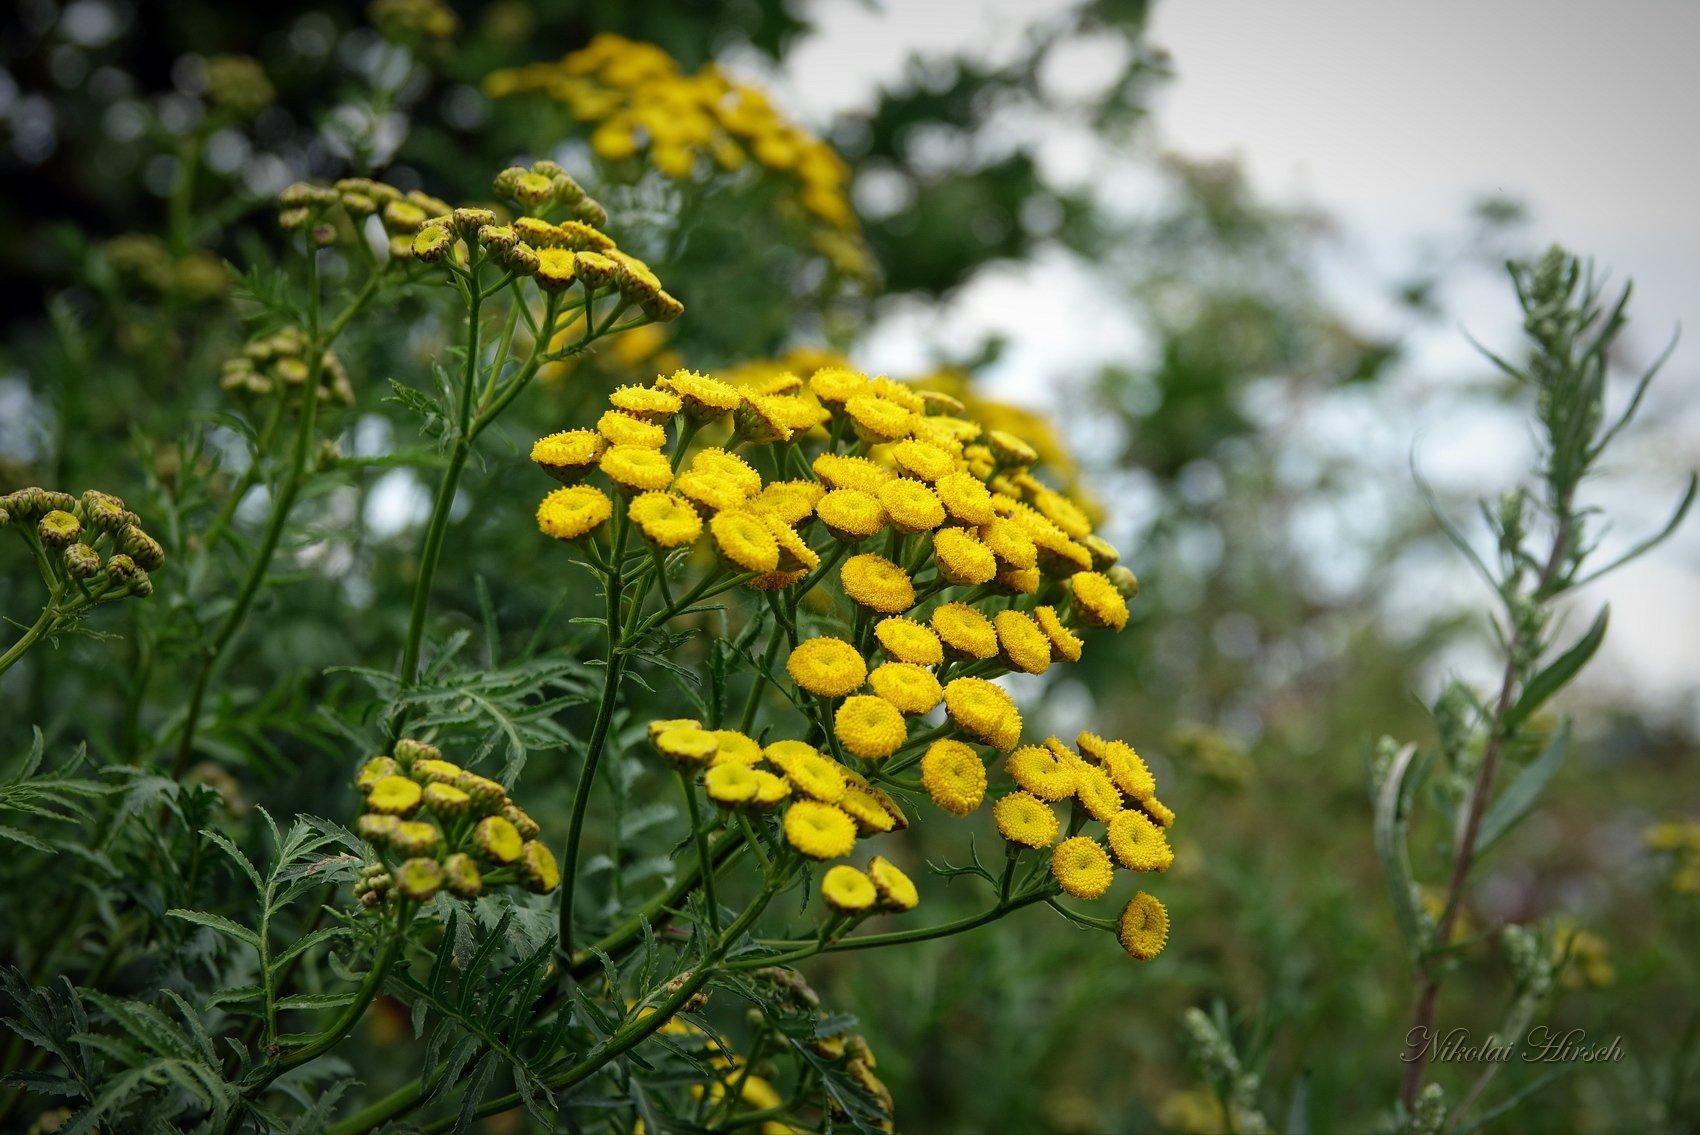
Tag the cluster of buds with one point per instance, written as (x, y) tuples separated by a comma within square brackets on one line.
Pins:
[(93, 544), (413, 21), (330, 214), (278, 361), (146, 261), (446, 829), (545, 187), (1678, 841)]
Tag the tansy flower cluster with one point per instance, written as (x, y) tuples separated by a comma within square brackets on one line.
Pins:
[(1679, 841), (274, 362), (640, 104), (932, 558), (438, 826), (91, 549)]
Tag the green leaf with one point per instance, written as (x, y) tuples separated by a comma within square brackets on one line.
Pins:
[(1554, 678), (1520, 795), (1391, 821), (219, 923), (315, 1000)]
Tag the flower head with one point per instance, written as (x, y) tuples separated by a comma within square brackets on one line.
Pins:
[(636, 468), (567, 456), (847, 890), (911, 505), (1123, 763), (896, 890), (810, 773), (1144, 927), (574, 512), (819, 831), (621, 428), (954, 776), (965, 631), (923, 460), (1039, 770), (851, 514), (966, 498), (1096, 792), (870, 727), (705, 398), (841, 472), (909, 688), (649, 403), (1139, 844), (962, 558), (1065, 644), (984, 711), (878, 584), (1025, 819), (905, 640), (1098, 600), (1082, 866), (828, 667), (1022, 644), (666, 520), (744, 541)]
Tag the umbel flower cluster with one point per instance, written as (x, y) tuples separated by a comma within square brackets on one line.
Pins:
[(926, 557), (277, 363), (439, 827), (643, 106)]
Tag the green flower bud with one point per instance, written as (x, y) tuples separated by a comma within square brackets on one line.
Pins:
[(416, 837), (523, 824), (59, 529), (359, 204), (447, 800), (141, 547), (498, 839), (419, 879), (498, 239), (81, 561), (537, 868), (467, 222), (407, 751), (123, 572), (1126, 582), (375, 828), (433, 770), (291, 219), (104, 512), (521, 258), (507, 180), (432, 243), (487, 796), (462, 876), (296, 195)]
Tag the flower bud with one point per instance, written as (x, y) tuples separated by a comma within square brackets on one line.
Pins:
[(394, 796), (81, 561), (408, 750), (467, 222), (376, 828), (415, 837), (486, 795), (373, 771), (526, 826), (419, 879), (432, 243), (447, 800), (1126, 582), (521, 258), (122, 570), (498, 239), (141, 547), (435, 770), (462, 877), (104, 512), (533, 189), (329, 452), (296, 196), (291, 219), (498, 839), (537, 868), (59, 529), (508, 180)]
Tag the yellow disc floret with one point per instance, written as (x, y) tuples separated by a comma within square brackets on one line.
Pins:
[(897, 890), (911, 689), (666, 520), (847, 890), (1098, 600), (1039, 771), (1139, 844), (1021, 643), (966, 632), (983, 711), (744, 541), (905, 640), (878, 584)]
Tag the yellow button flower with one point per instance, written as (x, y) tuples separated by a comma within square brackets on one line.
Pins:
[(1021, 642), (835, 386), (828, 667), (901, 393), (744, 541), (962, 558), (965, 498), (447, 800), (1123, 763), (1098, 600), (878, 584), (790, 501), (819, 830), (538, 870), (911, 505), (1161, 814), (1144, 927), (897, 891), (709, 493), (685, 747), (666, 520), (1083, 867), (729, 467), (649, 403), (847, 890), (877, 419), (636, 469), (1139, 844), (731, 784), (573, 513), (954, 776), (905, 640), (966, 632), (851, 514), (1062, 512), (983, 711), (1096, 792), (771, 790), (1024, 819), (870, 727), (621, 428), (865, 808), (1009, 449), (498, 840), (841, 472), (1066, 646), (911, 689), (810, 773), (419, 879), (569, 455), (733, 747), (1019, 582), (1040, 771), (1013, 548), (394, 796), (923, 460), (705, 398)]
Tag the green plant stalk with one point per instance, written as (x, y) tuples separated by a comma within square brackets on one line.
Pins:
[(48, 618), (700, 839), (897, 937)]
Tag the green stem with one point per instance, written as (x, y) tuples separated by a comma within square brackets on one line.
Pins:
[(41, 626), (812, 947), (700, 838)]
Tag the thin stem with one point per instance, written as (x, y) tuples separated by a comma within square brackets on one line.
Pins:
[(700, 838), (49, 614)]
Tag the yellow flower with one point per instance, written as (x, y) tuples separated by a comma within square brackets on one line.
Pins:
[(1025, 819), (870, 727), (661, 725), (733, 747), (1039, 770), (841, 472), (847, 890), (394, 796), (708, 492), (1009, 449), (828, 667), (835, 386), (877, 419), (498, 839), (815, 776), (1096, 792), (905, 640), (1161, 814), (795, 556), (984, 711), (1098, 600), (731, 784), (447, 800), (650, 403), (744, 541), (1083, 867), (878, 584), (865, 808), (901, 393), (705, 398), (790, 501), (961, 558), (636, 469), (967, 632), (897, 891), (568, 455), (1019, 582), (1123, 763), (851, 514), (666, 520), (1103, 552), (729, 467), (923, 460), (911, 505), (771, 790), (1023, 645), (909, 688), (418, 879), (953, 776), (965, 498), (568, 514), (819, 830), (1065, 644), (621, 428), (764, 418), (1139, 844), (1010, 544), (1144, 927), (686, 747), (538, 869), (1062, 512)]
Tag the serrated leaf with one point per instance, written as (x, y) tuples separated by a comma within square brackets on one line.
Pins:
[(219, 923)]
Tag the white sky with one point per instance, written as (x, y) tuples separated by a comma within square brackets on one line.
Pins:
[(1394, 117)]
